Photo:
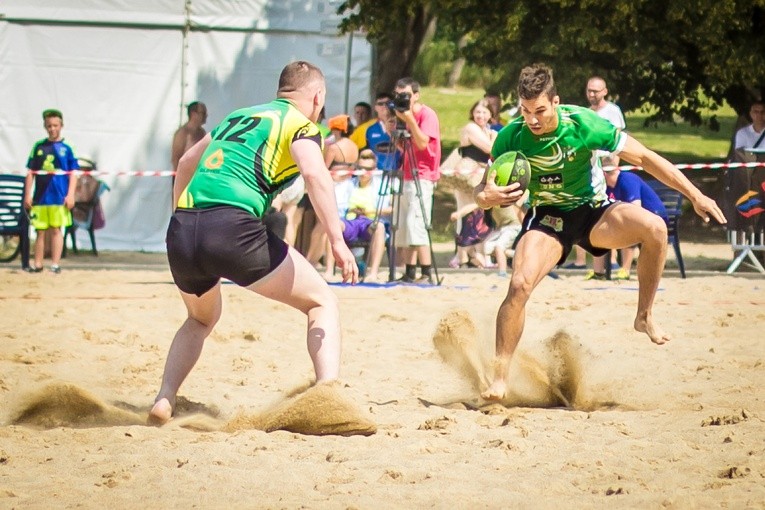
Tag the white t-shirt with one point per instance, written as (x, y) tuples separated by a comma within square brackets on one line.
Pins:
[(612, 114), (746, 137)]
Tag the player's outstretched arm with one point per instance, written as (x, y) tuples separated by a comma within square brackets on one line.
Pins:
[(638, 154), (321, 190)]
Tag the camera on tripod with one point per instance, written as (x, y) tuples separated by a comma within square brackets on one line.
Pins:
[(401, 102)]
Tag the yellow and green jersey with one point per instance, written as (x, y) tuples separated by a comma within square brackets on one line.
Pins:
[(248, 161)]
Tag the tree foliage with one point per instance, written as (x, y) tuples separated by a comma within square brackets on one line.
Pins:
[(674, 57), (398, 29)]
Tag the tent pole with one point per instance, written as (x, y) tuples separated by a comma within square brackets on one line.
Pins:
[(184, 60), (348, 72)]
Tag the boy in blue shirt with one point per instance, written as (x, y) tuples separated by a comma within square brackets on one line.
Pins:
[(50, 186), (628, 187)]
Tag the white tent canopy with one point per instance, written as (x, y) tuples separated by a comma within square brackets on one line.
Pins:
[(122, 72)]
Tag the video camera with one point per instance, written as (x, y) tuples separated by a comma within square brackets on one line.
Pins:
[(401, 102)]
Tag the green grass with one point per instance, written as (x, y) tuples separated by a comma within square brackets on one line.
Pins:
[(679, 142), (683, 143)]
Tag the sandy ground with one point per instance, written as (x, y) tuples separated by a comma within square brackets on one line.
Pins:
[(645, 426)]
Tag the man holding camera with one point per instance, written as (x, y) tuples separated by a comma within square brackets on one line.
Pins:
[(423, 160)]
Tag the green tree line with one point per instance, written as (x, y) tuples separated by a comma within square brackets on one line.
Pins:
[(669, 57)]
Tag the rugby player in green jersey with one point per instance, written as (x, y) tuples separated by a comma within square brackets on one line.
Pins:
[(224, 185), (568, 205)]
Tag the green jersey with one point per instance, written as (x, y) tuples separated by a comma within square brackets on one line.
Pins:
[(248, 161), (565, 171)]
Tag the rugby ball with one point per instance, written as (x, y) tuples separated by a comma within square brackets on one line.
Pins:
[(512, 167)]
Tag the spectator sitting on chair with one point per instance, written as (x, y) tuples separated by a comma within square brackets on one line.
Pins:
[(361, 222), (471, 229), (629, 187), (49, 196), (340, 157), (753, 135)]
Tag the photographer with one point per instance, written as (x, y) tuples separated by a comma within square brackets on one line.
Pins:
[(422, 124)]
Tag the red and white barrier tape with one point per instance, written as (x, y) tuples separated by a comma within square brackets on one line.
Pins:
[(170, 173), (162, 173), (700, 166)]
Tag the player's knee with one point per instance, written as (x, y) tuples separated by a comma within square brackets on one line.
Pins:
[(656, 230), (208, 319), (327, 299), (520, 286)]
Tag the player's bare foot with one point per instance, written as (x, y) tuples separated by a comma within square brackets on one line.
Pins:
[(496, 392), (646, 325), (160, 413)]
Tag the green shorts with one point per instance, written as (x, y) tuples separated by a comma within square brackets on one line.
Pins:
[(44, 217)]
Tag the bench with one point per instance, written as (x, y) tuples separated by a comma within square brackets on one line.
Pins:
[(14, 222)]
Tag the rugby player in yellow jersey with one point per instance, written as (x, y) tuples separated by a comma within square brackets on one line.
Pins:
[(224, 185)]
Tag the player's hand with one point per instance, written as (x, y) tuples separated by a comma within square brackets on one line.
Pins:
[(706, 207), (27, 203), (69, 202), (346, 262), (493, 195)]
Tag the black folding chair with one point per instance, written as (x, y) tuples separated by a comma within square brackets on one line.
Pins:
[(673, 202), (14, 222)]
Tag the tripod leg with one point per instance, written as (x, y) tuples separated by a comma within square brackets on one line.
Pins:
[(426, 218)]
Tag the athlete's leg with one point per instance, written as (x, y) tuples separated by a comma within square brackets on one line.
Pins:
[(203, 313), (296, 283), (624, 225), (536, 255)]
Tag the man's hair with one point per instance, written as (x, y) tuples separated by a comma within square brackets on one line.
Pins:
[(296, 76), (193, 107), (536, 80), (383, 95), (407, 82), (365, 105), (52, 112)]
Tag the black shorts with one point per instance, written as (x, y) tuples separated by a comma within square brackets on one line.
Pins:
[(569, 227), (205, 245)]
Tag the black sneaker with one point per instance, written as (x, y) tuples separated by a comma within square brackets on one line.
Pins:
[(425, 279), (405, 279), (54, 269), (31, 269)]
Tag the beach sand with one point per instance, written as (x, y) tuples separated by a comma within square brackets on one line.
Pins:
[(597, 415)]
